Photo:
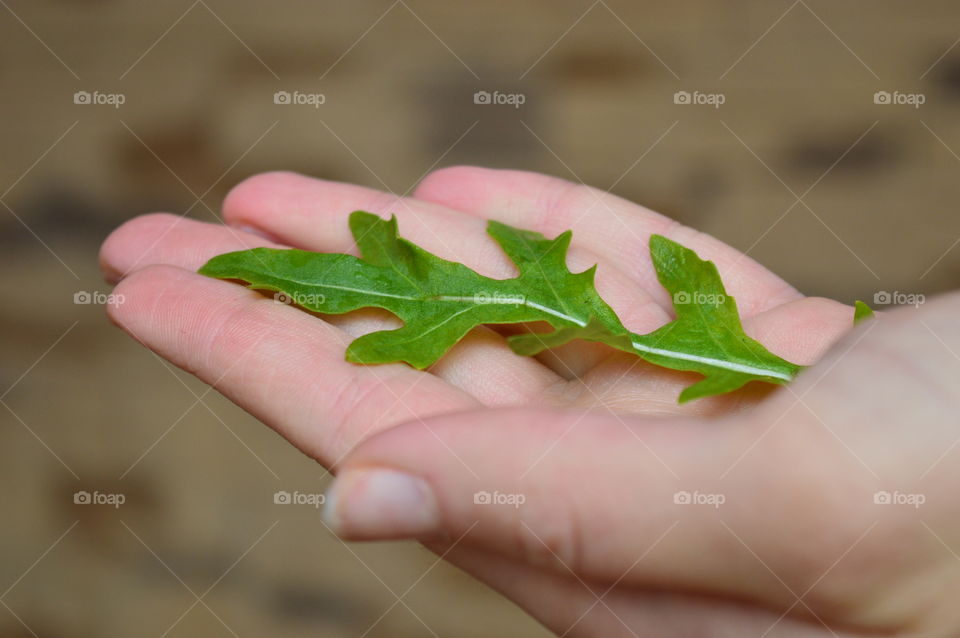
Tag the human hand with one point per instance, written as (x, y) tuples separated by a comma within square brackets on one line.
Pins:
[(598, 485)]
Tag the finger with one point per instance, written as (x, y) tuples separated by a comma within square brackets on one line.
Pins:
[(282, 365), (312, 213), (602, 223), (162, 238), (801, 331), (480, 364), (600, 496)]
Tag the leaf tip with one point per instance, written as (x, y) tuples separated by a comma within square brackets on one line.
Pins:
[(659, 240), (861, 312), (361, 220), (226, 266)]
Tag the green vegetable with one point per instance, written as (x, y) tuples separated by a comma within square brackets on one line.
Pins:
[(707, 336), (440, 301), (861, 311)]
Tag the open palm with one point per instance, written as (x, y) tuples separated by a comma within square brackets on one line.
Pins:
[(593, 439)]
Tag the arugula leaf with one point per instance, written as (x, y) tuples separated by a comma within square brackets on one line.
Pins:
[(439, 301), (861, 312), (707, 336)]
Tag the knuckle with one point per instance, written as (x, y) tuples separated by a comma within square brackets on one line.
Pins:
[(252, 189), (556, 200), (549, 534), (439, 178)]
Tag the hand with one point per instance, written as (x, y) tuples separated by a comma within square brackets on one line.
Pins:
[(598, 545)]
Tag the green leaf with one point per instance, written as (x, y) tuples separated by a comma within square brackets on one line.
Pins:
[(707, 336), (440, 301), (861, 312)]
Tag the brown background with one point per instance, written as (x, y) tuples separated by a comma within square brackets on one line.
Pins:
[(87, 409)]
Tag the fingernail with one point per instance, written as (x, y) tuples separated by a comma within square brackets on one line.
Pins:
[(380, 504)]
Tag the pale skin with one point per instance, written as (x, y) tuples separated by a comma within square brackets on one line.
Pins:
[(592, 439)]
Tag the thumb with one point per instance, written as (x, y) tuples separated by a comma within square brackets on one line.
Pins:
[(663, 502)]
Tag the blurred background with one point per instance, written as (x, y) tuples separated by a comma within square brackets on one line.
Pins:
[(821, 137)]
